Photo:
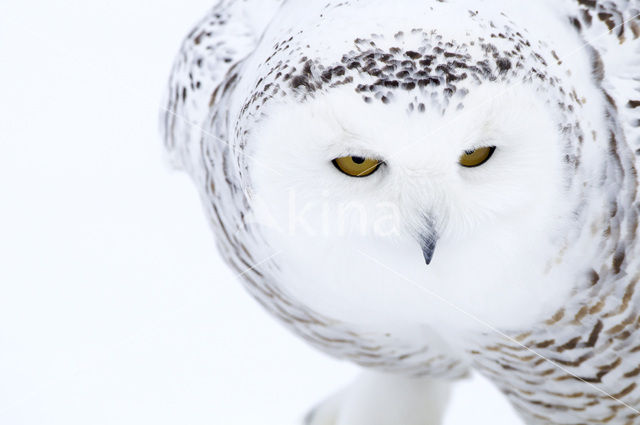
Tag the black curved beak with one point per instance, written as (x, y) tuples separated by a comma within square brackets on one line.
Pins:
[(429, 247), (428, 238)]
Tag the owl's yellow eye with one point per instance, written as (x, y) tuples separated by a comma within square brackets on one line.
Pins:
[(357, 166), (476, 157)]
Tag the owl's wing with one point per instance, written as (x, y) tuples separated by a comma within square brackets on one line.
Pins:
[(223, 38), (612, 28)]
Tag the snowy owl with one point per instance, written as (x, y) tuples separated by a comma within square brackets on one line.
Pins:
[(429, 187)]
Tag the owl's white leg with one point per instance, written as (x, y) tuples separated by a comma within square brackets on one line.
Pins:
[(381, 399)]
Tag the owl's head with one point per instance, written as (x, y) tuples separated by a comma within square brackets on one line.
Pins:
[(416, 170)]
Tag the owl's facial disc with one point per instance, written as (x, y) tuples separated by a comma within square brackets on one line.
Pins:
[(374, 203)]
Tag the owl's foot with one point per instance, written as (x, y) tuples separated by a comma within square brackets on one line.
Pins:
[(380, 399)]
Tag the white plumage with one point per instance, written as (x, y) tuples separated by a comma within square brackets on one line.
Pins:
[(532, 253)]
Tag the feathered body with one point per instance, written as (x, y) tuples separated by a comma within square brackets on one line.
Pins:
[(533, 281)]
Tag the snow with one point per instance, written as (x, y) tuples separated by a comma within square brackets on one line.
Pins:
[(114, 305)]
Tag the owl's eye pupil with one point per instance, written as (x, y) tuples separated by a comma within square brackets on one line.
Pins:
[(358, 159)]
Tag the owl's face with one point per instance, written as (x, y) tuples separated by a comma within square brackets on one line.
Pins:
[(360, 197), (427, 215)]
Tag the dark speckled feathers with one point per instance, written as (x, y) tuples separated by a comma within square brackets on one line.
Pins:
[(437, 67), (214, 46), (620, 21)]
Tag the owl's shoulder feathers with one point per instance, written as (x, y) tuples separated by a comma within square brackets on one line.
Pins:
[(217, 43)]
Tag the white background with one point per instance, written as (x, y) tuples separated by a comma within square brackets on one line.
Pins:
[(114, 306)]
